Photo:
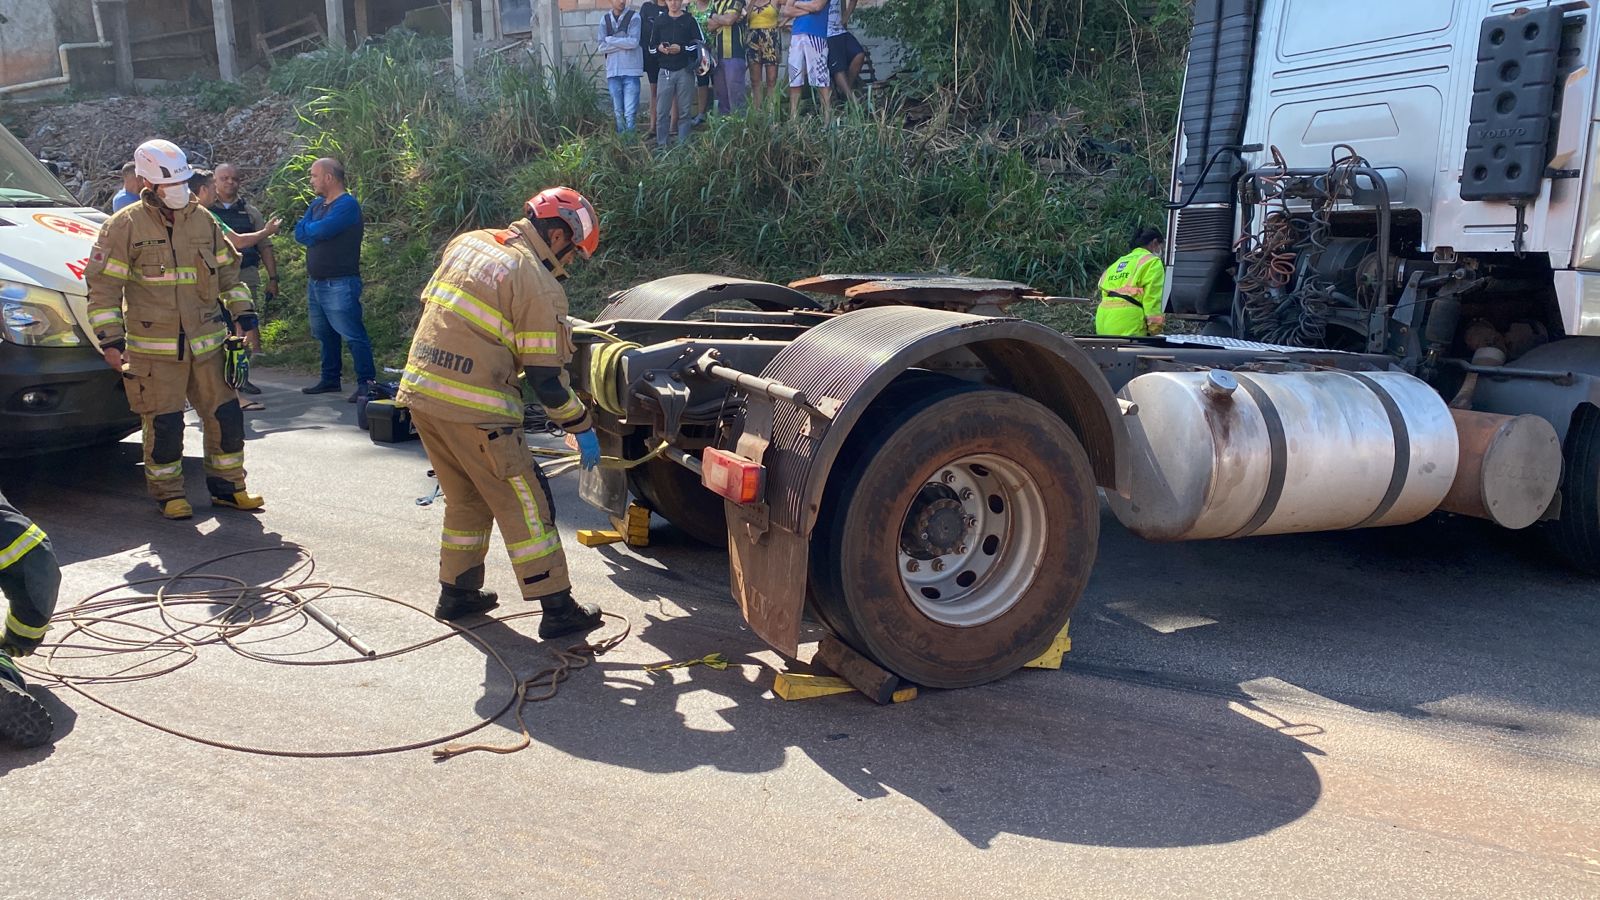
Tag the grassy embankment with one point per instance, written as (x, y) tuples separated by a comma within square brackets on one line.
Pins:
[(1028, 151)]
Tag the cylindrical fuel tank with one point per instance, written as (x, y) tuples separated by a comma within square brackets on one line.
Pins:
[(1509, 471), (1230, 454)]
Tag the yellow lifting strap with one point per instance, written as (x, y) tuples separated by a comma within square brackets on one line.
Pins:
[(710, 660)]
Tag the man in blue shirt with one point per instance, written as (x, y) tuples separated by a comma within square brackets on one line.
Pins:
[(331, 232), (130, 188), (808, 54)]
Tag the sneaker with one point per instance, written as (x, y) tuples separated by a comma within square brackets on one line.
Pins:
[(176, 508), (322, 387), (362, 387), (246, 387), (459, 603), (564, 615), (24, 721), (239, 500)]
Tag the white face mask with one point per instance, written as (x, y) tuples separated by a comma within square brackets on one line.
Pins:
[(175, 196)]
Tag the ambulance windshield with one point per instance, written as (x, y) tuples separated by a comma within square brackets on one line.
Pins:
[(24, 181)]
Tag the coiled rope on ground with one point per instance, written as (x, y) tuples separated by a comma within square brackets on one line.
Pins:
[(85, 629), (87, 633)]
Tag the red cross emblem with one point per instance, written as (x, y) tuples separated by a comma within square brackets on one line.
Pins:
[(75, 227)]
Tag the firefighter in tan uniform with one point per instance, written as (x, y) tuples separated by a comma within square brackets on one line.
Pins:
[(157, 277), (495, 312)]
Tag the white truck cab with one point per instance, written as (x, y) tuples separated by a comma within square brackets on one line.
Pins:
[(56, 392)]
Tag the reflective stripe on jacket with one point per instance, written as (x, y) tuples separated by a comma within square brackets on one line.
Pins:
[(156, 285), (491, 309)]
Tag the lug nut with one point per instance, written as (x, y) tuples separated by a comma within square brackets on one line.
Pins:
[(938, 565), (913, 565), (967, 494), (961, 548), (969, 520), (948, 477)]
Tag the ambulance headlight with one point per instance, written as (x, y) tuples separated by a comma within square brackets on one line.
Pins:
[(35, 317)]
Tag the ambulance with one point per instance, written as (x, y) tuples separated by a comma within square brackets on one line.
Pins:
[(56, 391)]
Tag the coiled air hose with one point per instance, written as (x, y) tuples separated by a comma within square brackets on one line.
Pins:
[(605, 360)]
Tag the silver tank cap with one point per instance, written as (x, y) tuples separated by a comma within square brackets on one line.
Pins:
[(1220, 384)]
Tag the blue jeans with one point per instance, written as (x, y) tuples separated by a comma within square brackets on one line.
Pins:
[(624, 100), (335, 312)]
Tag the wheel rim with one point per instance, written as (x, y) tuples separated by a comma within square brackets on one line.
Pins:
[(972, 540)]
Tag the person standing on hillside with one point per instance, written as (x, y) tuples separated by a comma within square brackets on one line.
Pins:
[(846, 56), (677, 50), (649, 12), (727, 39), (761, 48), (618, 39), (494, 317), (331, 231), (701, 10), (1130, 290), (808, 54)]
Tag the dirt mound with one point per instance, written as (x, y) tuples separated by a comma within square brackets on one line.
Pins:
[(90, 140)]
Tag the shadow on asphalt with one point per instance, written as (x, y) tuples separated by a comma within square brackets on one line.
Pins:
[(1388, 621), (1016, 757)]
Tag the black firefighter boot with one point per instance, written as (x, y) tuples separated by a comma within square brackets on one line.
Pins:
[(564, 615), (465, 597), (24, 721)]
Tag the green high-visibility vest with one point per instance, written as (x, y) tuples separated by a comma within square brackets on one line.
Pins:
[(1130, 293)]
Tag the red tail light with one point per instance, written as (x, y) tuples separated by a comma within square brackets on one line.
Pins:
[(732, 476)]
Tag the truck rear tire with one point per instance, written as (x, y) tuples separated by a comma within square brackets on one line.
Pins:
[(953, 547), (1576, 535), (675, 494)]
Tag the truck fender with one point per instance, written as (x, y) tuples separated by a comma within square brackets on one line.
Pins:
[(1556, 402), (675, 297), (842, 366)]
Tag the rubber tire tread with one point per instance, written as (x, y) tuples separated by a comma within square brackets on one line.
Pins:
[(1576, 535), (1016, 636), (24, 721)]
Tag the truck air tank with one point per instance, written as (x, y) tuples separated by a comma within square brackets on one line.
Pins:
[(1229, 454)]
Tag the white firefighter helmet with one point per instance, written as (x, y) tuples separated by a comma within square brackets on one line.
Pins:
[(161, 162)]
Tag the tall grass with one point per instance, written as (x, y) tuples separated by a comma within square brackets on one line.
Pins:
[(1038, 179)]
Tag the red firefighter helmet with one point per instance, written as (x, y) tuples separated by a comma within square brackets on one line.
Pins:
[(573, 208)]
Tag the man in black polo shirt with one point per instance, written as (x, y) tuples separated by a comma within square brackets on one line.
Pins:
[(235, 210), (331, 231)]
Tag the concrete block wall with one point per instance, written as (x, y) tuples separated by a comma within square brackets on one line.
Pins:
[(579, 19)]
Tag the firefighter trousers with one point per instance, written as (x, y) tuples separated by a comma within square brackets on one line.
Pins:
[(30, 579), (157, 388), (489, 478)]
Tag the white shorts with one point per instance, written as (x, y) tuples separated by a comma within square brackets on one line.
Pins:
[(808, 60)]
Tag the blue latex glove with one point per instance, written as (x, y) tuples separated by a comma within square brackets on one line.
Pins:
[(588, 449)]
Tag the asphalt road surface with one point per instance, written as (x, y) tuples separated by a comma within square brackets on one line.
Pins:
[(1404, 712)]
